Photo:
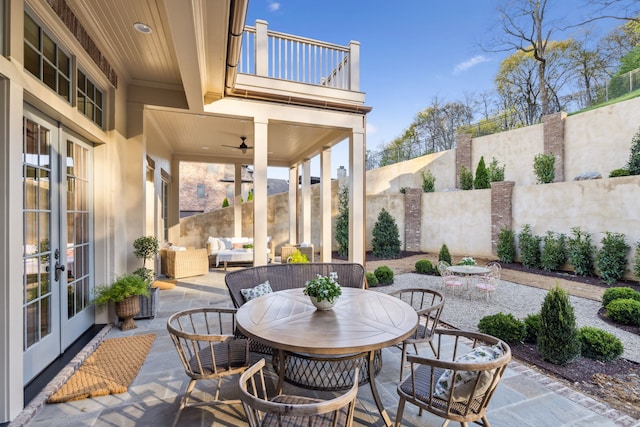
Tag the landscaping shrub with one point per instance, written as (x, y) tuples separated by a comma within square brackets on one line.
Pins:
[(599, 345), (529, 245), (403, 190), (444, 254), (580, 252), (466, 178), (544, 168), (625, 311), (612, 257), (503, 326), (342, 222), (506, 245), (372, 280), (424, 266), (482, 180), (553, 253), (386, 237), (496, 172), (636, 262), (622, 292), (532, 328), (384, 275), (558, 339), (428, 182), (619, 172), (225, 203), (634, 157)]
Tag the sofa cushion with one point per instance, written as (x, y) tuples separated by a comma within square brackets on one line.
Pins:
[(258, 290), (465, 381)]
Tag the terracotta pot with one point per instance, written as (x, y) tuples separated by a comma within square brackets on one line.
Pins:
[(126, 310)]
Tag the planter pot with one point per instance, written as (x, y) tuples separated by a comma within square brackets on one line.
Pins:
[(126, 310), (324, 304), (149, 305)]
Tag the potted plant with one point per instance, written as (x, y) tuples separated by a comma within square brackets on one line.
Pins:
[(124, 292), (146, 248), (323, 291)]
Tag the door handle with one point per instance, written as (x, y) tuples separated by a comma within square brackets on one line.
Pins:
[(59, 268)]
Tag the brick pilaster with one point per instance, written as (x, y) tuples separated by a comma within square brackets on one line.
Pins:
[(412, 219), (463, 154), (501, 205), (553, 132)]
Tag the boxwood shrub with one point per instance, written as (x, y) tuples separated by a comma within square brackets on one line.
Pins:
[(372, 280), (424, 266), (503, 326), (599, 345), (622, 292), (384, 275), (532, 328), (625, 311)]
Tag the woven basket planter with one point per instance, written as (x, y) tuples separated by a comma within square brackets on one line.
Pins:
[(126, 310), (149, 305)]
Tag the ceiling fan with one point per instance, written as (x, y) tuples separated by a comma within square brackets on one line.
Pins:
[(242, 147)]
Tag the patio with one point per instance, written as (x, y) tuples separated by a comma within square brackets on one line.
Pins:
[(524, 397)]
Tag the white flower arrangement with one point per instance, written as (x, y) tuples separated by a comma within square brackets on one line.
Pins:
[(467, 261), (324, 287)]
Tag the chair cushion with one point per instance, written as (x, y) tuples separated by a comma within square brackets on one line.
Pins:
[(258, 290), (465, 381)]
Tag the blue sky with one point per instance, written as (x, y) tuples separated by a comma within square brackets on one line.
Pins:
[(412, 51)]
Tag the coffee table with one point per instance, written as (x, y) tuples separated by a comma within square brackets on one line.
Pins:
[(362, 321)]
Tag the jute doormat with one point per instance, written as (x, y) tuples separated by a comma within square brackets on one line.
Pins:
[(109, 370)]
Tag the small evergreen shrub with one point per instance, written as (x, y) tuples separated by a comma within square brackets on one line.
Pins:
[(529, 245), (386, 237), (544, 168), (225, 203), (424, 266), (428, 182), (623, 292), (634, 157), (636, 262), (503, 326), (496, 171), (506, 246), (599, 345), (625, 311), (553, 253), (466, 178), (580, 252), (444, 254), (612, 257), (372, 280), (384, 275), (558, 340), (342, 222), (619, 172), (482, 179), (403, 190), (532, 328)]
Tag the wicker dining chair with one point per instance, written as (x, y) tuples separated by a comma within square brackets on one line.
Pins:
[(290, 410), (488, 283), (208, 349), (457, 384), (428, 304)]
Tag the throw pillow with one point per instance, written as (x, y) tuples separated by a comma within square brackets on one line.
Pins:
[(221, 245), (237, 246), (258, 290), (465, 381)]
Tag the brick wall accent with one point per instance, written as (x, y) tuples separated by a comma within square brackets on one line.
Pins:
[(412, 218), (501, 203), (553, 133), (463, 154)]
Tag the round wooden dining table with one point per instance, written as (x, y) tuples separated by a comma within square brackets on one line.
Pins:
[(361, 321)]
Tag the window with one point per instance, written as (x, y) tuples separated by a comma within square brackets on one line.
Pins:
[(200, 190), (44, 59), (89, 99)]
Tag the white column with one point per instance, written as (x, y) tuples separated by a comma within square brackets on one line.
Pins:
[(325, 205), (306, 201), (293, 205), (237, 202), (260, 192), (357, 205)]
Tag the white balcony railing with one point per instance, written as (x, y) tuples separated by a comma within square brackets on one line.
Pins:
[(281, 56)]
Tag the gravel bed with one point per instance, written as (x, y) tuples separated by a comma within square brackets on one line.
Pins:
[(464, 311)]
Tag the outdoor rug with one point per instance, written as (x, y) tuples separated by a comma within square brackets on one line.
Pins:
[(109, 370)]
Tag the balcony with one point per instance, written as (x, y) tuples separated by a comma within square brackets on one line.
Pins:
[(297, 70)]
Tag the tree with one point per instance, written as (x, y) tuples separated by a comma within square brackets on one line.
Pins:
[(634, 156), (496, 171), (558, 340), (342, 222), (386, 237), (589, 67), (482, 179)]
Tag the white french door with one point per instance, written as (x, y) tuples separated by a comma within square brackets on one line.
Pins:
[(58, 240)]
